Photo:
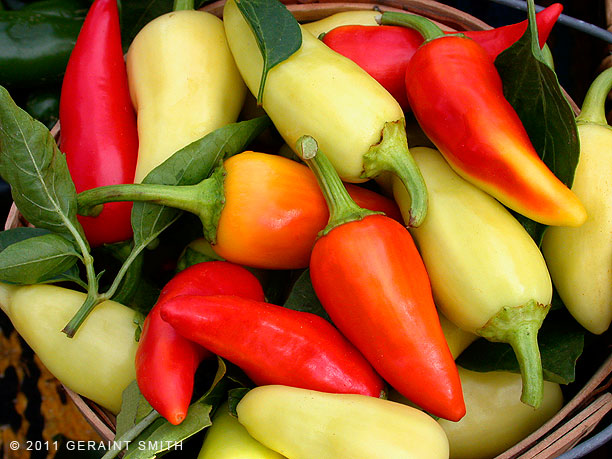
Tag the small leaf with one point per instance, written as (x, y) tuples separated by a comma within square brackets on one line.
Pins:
[(303, 297), (131, 398), (533, 89), (32, 164), (276, 30), (235, 395), (37, 259), (167, 436), (10, 236), (136, 14), (189, 166), (561, 342)]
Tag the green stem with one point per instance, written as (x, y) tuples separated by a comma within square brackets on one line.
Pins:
[(392, 154), (593, 107), (424, 26), (518, 326), (131, 434), (342, 208), (205, 199), (180, 5), (92, 300)]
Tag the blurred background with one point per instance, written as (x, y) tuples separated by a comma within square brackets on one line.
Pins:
[(32, 403)]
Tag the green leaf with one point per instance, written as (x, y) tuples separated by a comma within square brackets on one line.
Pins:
[(37, 259), (190, 166), (303, 297), (136, 14), (32, 164), (561, 342), (131, 399), (166, 436), (276, 30), (13, 235), (533, 89), (234, 397)]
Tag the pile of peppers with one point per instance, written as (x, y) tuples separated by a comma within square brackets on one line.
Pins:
[(411, 252)]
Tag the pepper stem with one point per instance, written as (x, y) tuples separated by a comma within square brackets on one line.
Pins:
[(422, 25), (392, 154), (205, 199), (593, 107), (518, 326), (342, 208), (180, 5)]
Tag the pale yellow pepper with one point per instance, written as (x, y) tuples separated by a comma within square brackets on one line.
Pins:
[(580, 259), (356, 17), (495, 418), (228, 439), (306, 424), (98, 362), (487, 274), (320, 93), (183, 83)]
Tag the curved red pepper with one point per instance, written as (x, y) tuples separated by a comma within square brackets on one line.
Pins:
[(273, 344), (372, 282), (384, 51), (98, 123), (165, 361), (456, 95)]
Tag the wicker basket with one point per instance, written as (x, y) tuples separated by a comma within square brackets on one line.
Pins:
[(580, 415)]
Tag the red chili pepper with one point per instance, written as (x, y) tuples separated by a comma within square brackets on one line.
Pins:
[(98, 123), (372, 282), (273, 344), (456, 95), (165, 361), (384, 51)]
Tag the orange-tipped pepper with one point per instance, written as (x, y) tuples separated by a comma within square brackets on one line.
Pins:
[(258, 210), (372, 282), (457, 97)]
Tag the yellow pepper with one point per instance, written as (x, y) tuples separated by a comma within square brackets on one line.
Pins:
[(228, 439), (98, 363), (306, 424), (318, 92), (580, 259), (357, 17), (495, 418), (183, 83), (488, 276)]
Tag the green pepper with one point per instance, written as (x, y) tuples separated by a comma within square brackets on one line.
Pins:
[(43, 104), (36, 41)]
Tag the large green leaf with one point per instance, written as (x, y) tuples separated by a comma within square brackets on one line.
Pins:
[(32, 164), (532, 88), (276, 30)]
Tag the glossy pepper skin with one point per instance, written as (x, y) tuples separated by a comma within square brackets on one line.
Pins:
[(273, 344), (306, 424), (487, 274), (384, 51), (318, 92), (226, 438), (456, 95), (98, 123), (495, 419), (183, 81), (384, 304), (165, 361), (277, 199), (98, 363), (579, 258), (280, 202), (36, 41)]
